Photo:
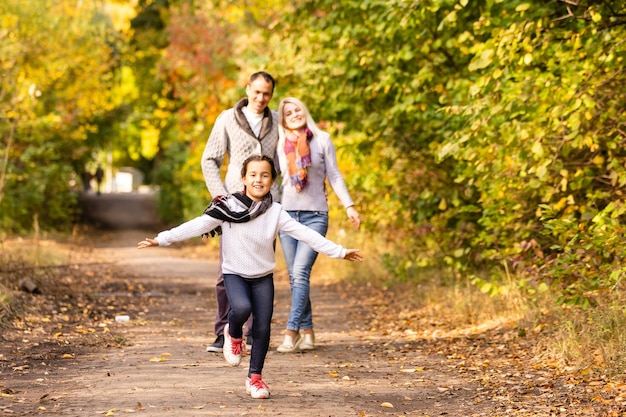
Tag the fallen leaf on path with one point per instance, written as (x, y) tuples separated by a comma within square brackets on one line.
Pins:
[(333, 374), (416, 369), (155, 359), (68, 356), (386, 405)]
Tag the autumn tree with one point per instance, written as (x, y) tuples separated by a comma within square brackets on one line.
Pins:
[(57, 65), (495, 127)]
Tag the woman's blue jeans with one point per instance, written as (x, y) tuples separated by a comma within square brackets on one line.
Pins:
[(300, 258)]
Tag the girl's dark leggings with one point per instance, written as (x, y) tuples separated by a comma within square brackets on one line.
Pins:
[(256, 296)]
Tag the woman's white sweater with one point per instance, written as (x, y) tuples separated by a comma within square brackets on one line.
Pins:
[(323, 165), (248, 249)]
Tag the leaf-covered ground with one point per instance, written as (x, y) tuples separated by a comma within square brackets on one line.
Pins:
[(376, 357)]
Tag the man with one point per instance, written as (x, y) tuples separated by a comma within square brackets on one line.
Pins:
[(249, 128)]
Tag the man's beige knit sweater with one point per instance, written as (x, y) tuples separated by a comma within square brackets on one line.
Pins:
[(232, 137)]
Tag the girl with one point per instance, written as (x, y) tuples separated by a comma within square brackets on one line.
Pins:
[(249, 223)]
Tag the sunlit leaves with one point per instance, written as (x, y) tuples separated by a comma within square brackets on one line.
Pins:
[(509, 106), (56, 59)]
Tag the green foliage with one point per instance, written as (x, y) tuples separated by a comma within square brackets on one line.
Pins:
[(542, 144), (477, 136), (56, 60), (496, 129)]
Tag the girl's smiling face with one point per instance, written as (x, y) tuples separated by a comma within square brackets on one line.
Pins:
[(258, 179)]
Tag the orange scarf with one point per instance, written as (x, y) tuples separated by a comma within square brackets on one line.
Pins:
[(298, 157)]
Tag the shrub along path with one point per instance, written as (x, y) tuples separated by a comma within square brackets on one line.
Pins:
[(69, 357)]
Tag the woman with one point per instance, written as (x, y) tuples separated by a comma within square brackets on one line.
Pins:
[(306, 157), (249, 223)]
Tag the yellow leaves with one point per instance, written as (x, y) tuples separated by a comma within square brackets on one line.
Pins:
[(481, 61), (598, 160), (411, 370), (537, 149), (162, 358), (333, 374), (386, 405), (67, 356), (595, 16), (528, 58), (149, 140)]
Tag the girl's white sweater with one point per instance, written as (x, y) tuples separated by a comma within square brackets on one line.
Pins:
[(248, 249)]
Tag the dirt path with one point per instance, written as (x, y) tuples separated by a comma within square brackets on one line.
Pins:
[(69, 357), (162, 368)]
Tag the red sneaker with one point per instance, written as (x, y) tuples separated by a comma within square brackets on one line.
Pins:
[(256, 387)]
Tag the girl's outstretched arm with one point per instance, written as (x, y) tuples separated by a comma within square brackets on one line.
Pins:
[(147, 242), (353, 255)]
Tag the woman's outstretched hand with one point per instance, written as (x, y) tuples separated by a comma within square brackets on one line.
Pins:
[(146, 243), (354, 217), (353, 255)]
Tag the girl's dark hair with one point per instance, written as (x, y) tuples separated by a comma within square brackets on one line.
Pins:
[(266, 76), (244, 168)]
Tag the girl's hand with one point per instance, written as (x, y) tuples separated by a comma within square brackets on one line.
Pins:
[(353, 255), (147, 243), (354, 217)]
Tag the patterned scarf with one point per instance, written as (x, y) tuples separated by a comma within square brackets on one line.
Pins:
[(298, 157), (236, 208)]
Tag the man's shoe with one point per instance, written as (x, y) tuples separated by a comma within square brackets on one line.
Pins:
[(233, 348), (289, 344), (218, 345), (256, 387), (308, 342)]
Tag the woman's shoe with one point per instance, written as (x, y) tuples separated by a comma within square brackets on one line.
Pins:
[(289, 344), (308, 342)]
